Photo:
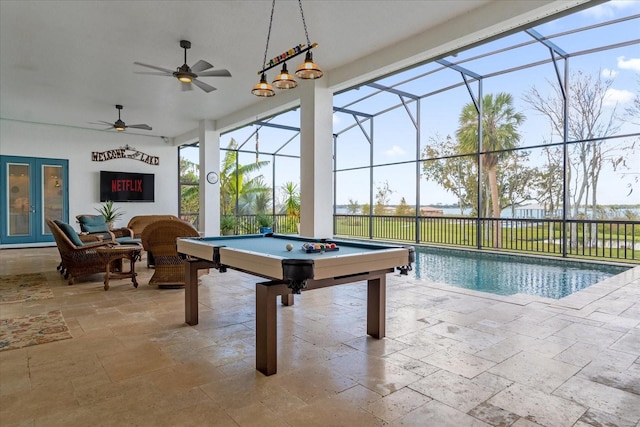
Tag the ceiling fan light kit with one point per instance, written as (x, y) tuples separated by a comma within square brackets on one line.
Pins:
[(307, 70), (188, 75)]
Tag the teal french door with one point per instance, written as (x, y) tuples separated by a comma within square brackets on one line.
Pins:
[(31, 189)]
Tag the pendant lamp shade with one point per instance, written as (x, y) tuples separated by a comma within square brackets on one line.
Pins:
[(284, 80), (308, 69), (263, 88)]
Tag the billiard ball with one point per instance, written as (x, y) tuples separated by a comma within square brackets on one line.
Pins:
[(289, 247)]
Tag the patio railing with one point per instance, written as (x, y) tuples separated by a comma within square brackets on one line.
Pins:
[(600, 239), (611, 240)]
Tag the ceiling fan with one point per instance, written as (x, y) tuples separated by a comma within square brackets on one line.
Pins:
[(186, 74), (119, 125)]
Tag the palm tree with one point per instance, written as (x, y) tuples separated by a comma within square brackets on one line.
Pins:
[(235, 181), (189, 189), (291, 205), (499, 132)]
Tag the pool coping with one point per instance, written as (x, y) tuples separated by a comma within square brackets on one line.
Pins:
[(576, 301)]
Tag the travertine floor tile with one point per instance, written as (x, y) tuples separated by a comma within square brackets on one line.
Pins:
[(451, 357), (535, 371), (459, 363), (456, 391), (537, 406), (601, 397), (397, 404), (435, 413)]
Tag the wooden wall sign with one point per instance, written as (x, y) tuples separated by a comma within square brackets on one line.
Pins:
[(125, 152)]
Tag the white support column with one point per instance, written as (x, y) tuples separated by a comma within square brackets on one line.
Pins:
[(316, 163), (209, 218)]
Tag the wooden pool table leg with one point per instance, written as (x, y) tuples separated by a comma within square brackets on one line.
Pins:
[(287, 299), (191, 289), (376, 306), (267, 325)]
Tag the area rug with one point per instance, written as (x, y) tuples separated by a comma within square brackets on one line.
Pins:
[(23, 287), (33, 329)]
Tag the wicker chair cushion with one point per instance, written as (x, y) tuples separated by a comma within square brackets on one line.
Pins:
[(92, 223), (70, 233)]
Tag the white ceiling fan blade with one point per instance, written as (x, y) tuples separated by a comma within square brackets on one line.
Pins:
[(215, 73), (154, 67), (154, 73), (201, 66), (205, 87), (141, 126)]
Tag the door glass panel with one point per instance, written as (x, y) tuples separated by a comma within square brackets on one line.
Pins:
[(18, 187), (52, 194)]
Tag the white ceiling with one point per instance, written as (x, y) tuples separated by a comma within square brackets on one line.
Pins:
[(69, 62)]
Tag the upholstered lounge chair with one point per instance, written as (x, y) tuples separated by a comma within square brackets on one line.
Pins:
[(96, 225), (78, 258), (159, 238)]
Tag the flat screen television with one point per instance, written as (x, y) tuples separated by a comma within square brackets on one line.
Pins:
[(127, 186)]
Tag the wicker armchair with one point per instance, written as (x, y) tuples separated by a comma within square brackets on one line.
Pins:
[(78, 258), (159, 238), (138, 223)]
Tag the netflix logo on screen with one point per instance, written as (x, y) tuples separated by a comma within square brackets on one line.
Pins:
[(127, 186)]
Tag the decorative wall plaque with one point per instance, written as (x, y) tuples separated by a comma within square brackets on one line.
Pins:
[(125, 152)]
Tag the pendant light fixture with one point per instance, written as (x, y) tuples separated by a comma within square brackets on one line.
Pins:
[(284, 80), (307, 70)]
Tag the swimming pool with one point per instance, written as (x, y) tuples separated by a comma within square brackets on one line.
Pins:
[(504, 274)]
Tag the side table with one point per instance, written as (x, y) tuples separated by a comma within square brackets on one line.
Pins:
[(109, 254)]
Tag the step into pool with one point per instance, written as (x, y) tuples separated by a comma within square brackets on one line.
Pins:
[(504, 274)]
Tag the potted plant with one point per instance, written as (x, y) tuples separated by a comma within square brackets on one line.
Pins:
[(265, 223), (110, 213), (227, 225)]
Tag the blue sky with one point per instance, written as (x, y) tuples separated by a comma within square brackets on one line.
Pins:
[(395, 137)]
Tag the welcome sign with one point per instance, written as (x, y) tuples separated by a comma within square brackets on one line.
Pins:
[(125, 152)]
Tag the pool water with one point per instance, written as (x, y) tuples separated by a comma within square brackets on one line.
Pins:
[(509, 274)]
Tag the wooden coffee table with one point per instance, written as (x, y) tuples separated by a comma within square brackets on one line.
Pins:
[(119, 252)]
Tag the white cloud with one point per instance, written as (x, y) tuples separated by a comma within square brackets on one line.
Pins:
[(608, 9), (394, 151), (609, 74), (336, 119), (629, 64), (616, 96)]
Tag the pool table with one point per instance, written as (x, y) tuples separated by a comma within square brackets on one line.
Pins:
[(290, 269)]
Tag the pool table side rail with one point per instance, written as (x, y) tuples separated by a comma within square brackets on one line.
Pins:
[(196, 248), (264, 265), (328, 267)]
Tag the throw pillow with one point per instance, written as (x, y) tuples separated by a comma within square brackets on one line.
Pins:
[(70, 232), (92, 223)]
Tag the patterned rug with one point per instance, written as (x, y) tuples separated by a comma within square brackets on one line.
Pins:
[(23, 287), (33, 329)]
